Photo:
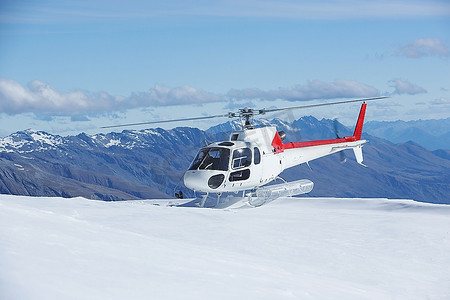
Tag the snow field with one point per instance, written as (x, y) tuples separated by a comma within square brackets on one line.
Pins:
[(292, 248)]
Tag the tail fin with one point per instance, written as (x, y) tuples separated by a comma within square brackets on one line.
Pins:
[(360, 122)]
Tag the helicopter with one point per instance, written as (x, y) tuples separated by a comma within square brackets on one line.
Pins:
[(253, 157)]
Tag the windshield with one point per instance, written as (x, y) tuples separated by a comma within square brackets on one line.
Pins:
[(211, 159)]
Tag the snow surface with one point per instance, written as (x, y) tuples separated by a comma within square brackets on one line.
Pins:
[(292, 248)]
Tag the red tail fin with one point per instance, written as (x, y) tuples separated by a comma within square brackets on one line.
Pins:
[(360, 122)]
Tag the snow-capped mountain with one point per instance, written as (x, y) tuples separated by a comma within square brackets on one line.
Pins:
[(110, 166), (150, 163), (30, 141)]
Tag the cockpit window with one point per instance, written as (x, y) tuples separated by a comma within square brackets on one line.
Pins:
[(257, 157), (211, 159), (242, 158)]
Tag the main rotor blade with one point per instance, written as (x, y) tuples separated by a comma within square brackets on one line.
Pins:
[(324, 104), (242, 114), (166, 121)]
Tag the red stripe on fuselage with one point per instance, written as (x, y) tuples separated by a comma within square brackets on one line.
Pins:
[(317, 143), (278, 146)]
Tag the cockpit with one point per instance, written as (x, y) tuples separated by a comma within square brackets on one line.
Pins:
[(218, 158), (225, 165), (236, 164), (213, 158)]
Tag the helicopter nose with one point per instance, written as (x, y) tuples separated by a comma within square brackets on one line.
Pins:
[(193, 181), (203, 180)]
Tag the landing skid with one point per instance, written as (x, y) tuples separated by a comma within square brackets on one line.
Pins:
[(256, 198), (226, 200), (269, 193)]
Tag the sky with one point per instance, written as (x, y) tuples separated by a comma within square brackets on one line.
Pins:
[(68, 67)]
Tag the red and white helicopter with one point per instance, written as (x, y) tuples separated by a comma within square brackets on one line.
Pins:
[(254, 157)]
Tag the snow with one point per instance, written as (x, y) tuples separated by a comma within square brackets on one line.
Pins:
[(292, 248), (46, 139), (154, 132), (113, 142), (8, 142), (43, 141)]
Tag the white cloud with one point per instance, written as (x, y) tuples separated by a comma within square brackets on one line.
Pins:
[(41, 98), (79, 118), (236, 105), (440, 101), (312, 90), (424, 47), (164, 96), (405, 87)]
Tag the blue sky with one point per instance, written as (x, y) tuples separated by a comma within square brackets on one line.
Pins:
[(72, 66)]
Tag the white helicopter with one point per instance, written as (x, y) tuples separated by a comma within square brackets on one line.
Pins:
[(254, 157)]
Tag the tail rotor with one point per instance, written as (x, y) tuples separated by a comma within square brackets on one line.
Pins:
[(342, 157)]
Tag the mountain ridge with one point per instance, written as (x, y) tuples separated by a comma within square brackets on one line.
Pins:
[(150, 163), (432, 134)]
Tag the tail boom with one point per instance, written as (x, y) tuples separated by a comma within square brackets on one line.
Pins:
[(295, 153), (280, 147)]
